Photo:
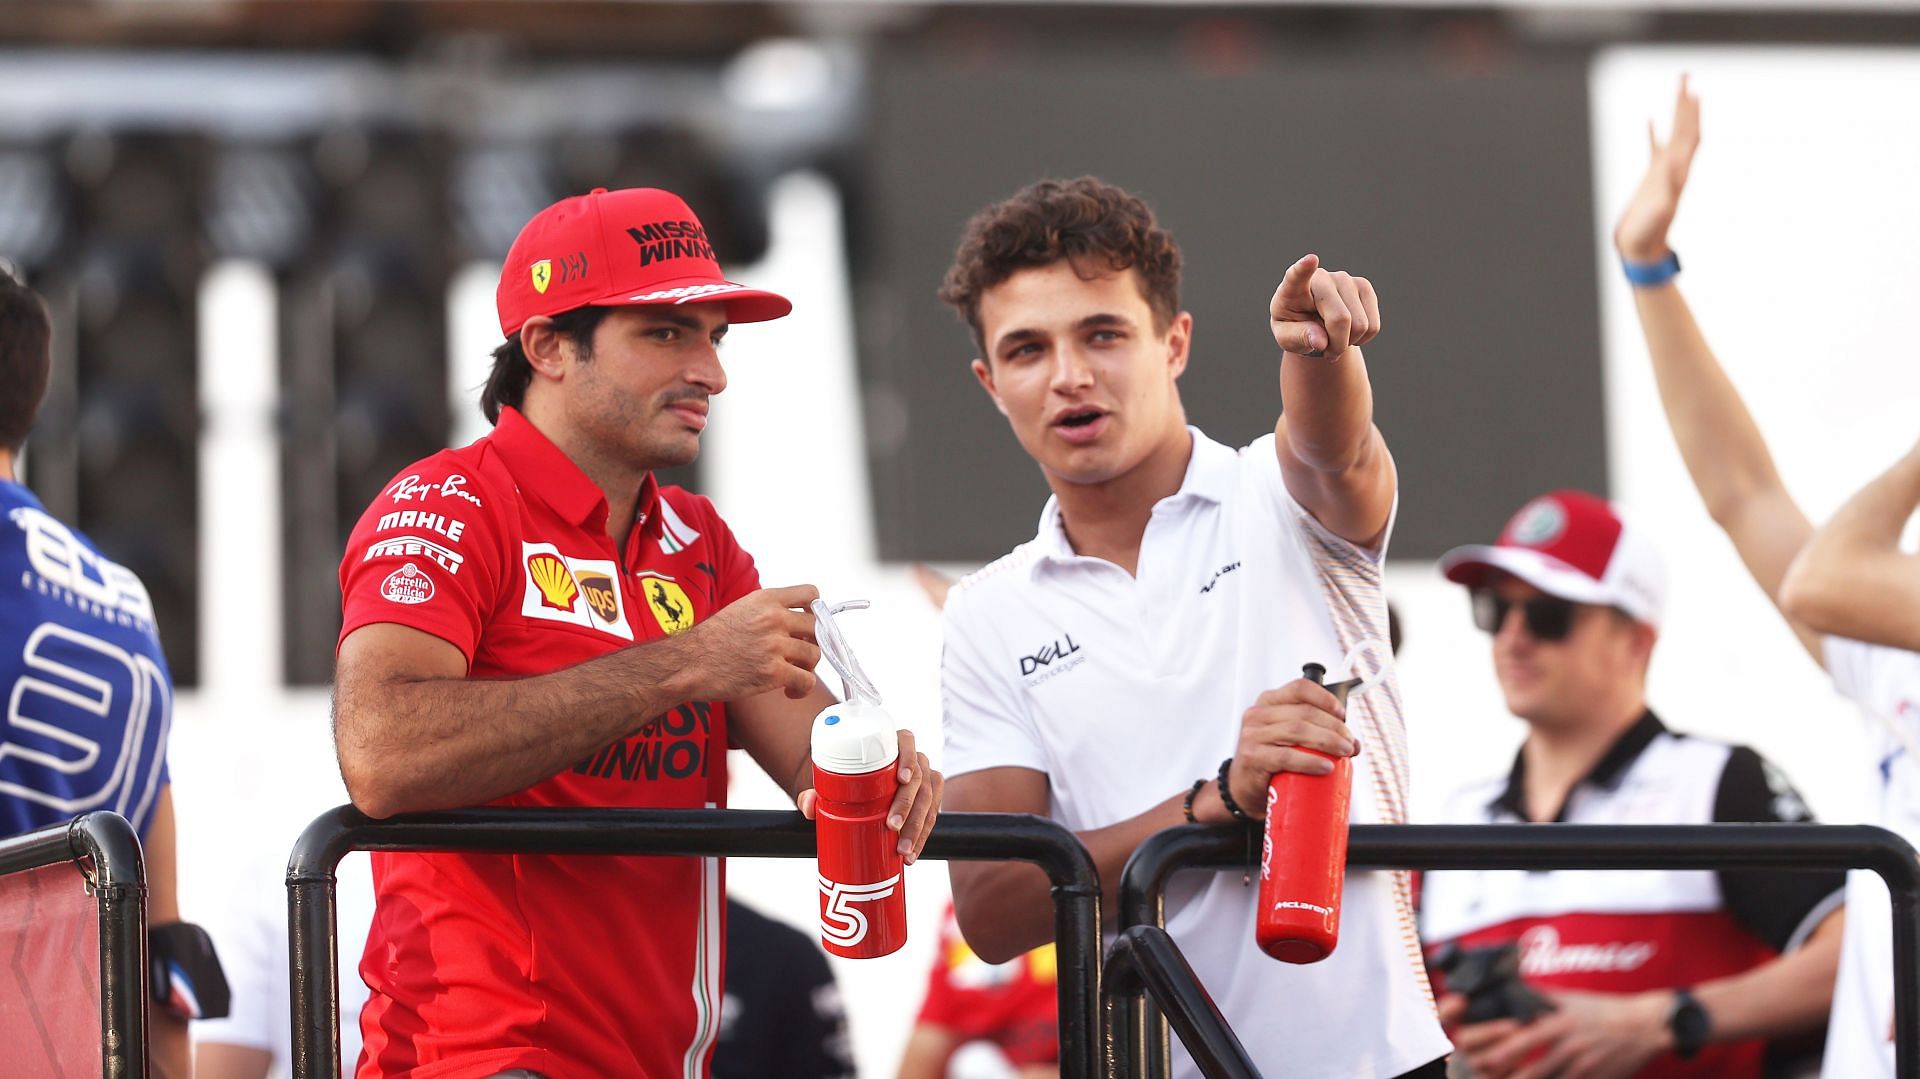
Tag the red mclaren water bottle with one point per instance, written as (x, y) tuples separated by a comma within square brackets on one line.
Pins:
[(863, 900), (1303, 860)]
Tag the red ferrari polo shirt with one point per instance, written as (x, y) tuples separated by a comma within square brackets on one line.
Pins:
[(571, 966)]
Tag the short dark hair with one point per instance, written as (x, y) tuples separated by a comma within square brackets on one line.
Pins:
[(26, 363), (1100, 228), (507, 382)]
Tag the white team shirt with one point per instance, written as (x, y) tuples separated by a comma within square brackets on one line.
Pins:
[(251, 939), (1885, 683), (1124, 689)]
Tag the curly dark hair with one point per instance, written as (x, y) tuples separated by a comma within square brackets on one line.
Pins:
[(1098, 227)]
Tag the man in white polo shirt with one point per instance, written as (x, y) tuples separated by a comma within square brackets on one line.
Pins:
[(1137, 663)]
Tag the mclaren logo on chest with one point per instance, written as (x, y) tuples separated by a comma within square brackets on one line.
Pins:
[(578, 591)]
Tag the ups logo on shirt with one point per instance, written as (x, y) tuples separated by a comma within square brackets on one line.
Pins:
[(599, 590)]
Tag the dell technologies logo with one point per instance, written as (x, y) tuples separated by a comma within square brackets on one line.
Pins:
[(1053, 650)]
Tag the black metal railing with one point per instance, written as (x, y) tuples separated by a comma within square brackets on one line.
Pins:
[(1144, 962), (311, 912), (1141, 1039), (105, 851)]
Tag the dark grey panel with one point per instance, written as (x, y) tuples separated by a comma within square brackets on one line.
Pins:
[(1465, 198)]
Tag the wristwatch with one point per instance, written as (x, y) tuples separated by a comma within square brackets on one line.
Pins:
[(1689, 1023)]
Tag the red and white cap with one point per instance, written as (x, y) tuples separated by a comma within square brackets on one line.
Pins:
[(1575, 546), (638, 245)]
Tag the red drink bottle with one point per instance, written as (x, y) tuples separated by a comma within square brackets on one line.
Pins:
[(863, 900), (1303, 858)]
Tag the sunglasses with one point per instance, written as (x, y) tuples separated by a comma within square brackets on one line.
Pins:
[(1546, 617)]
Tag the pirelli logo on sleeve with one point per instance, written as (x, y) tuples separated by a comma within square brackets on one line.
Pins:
[(578, 591), (416, 547)]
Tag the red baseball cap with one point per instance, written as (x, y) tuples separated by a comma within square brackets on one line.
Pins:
[(638, 245), (1575, 546)]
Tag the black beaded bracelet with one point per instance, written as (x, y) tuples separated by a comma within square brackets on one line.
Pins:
[(1186, 806), (1226, 796)]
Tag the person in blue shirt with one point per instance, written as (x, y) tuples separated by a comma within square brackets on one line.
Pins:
[(88, 696)]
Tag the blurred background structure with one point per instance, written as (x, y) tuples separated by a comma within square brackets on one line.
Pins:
[(271, 230)]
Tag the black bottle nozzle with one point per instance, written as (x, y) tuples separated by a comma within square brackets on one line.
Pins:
[(1315, 673)]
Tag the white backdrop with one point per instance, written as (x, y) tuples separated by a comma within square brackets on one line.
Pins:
[(1799, 236)]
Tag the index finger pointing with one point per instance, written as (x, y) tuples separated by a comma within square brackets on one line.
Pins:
[(1294, 283)]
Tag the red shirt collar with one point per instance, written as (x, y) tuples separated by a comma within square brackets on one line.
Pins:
[(543, 471)]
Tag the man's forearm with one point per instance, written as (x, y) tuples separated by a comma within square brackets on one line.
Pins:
[(1871, 521), (449, 742), (1327, 407), (1723, 449), (1718, 439), (1852, 579), (1006, 908), (1790, 995)]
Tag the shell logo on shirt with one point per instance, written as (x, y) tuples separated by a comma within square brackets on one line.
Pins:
[(577, 591), (554, 580), (668, 602)]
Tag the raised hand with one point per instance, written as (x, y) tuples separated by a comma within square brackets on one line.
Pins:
[(1641, 235), (1317, 312)]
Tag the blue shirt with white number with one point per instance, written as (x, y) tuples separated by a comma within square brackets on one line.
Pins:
[(87, 695)]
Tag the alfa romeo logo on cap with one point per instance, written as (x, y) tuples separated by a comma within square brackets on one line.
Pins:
[(542, 275), (1540, 523)]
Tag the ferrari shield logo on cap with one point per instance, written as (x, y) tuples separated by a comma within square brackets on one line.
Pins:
[(542, 275)]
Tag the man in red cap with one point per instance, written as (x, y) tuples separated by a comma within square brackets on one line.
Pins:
[(1650, 973), (532, 621)]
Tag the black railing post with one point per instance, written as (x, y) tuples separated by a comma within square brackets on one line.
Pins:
[(312, 930), (119, 879), (311, 900), (104, 852), (1144, 962)]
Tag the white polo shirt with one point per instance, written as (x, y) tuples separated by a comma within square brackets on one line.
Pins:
[(1125, 689), (1885, 683)]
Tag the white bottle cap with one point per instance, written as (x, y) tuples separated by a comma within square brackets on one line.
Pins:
[(854, 737)]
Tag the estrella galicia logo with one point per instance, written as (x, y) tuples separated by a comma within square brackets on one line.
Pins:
[(1045, 657)]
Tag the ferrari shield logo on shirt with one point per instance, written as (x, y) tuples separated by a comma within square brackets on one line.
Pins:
[(578, 591), (542, 275), (668, 602)]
